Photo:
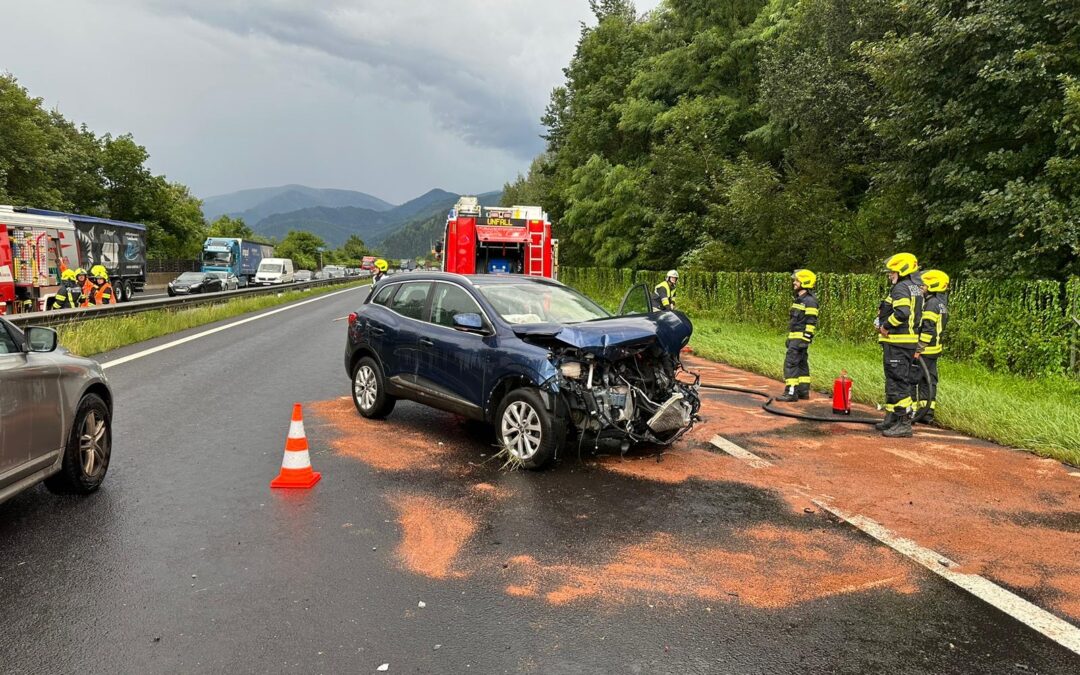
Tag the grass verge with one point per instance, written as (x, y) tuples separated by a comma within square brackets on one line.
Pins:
[(102, 335), (1041, 415)]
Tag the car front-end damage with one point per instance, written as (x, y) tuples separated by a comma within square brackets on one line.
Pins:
[(621, 380)]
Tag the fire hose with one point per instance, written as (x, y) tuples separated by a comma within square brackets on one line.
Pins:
[(768, 406)]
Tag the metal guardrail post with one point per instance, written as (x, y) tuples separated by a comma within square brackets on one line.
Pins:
[(60, 317)]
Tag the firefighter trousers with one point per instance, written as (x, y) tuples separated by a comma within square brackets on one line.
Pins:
[(899, 363), (797, 364), (926, 393)]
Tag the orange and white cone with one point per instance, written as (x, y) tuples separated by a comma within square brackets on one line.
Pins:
[(296, 465)]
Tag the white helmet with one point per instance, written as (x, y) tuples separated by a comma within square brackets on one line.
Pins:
[(672, 274)]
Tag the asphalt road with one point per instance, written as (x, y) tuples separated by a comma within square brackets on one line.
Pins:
[(186, 561)]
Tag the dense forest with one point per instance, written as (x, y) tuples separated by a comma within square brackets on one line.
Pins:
[(771, 134)]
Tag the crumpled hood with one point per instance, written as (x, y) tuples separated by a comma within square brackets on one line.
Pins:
[(602, 337)]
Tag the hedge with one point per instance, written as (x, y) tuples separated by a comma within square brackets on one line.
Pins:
[(1017, 326)]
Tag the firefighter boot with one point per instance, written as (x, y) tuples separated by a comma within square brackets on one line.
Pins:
[(889, 422), (902, 428), (804, 392), (790, 395)]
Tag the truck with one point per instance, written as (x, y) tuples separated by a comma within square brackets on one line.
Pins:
[(368, 263), (37, 245), (498, 240), (238, 257)]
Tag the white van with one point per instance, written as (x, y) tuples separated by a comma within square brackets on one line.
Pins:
[(274, 271)]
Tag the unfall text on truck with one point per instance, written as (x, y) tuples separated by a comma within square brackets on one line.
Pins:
[(36, 245), (495, 239)]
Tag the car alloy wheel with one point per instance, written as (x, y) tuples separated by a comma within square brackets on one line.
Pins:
[(93, 444), (521, 430), (365, 387)]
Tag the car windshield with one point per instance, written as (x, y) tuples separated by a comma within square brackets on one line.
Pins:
[(217, 257), (190, 277), (526, 302), (270, 268), (216, 275)]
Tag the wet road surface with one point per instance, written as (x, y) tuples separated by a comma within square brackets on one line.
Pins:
[(185, 561)]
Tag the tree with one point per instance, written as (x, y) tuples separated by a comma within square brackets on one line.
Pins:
[(225, 226), (302, 248)]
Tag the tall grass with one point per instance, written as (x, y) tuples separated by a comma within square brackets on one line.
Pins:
[(1041, 415), (102, 335)]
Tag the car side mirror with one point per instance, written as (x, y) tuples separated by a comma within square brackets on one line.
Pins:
[(470, 322), (40, 339)]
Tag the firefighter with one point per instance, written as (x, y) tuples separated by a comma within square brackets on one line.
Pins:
[(86, 287), (70, 294), (801, 327), (935, 316), (102, 289), (898, 322), (380, 271), (664, 293)]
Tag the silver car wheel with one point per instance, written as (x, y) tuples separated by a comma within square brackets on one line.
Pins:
[(93, 443), (521, 431), (365, 387)]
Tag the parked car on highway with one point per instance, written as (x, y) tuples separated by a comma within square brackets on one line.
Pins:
[(202, 282), (537, 359), (55, 415), (303, 275)]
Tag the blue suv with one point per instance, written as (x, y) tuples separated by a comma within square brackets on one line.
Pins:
[(540, 361)]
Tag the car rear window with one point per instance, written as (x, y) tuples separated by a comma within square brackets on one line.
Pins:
[(410, 299), (449, 301)]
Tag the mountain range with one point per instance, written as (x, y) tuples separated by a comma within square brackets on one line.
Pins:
[(334, 215)]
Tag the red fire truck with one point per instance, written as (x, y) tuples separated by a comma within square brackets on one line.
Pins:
[(498, 240)]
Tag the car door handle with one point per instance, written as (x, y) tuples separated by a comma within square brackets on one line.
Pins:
[(427, 342), (376, 330)]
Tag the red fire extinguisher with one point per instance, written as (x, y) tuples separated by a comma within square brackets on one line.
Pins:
[(841, 395)]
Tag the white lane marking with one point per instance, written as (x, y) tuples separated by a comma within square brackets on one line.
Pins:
[(196, 336), (1033, 616), (735, 451)]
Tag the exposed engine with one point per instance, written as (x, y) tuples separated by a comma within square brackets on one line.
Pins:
[(636, 397)]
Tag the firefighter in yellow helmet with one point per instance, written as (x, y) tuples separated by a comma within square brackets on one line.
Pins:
[(802, 323), (70, 294), (664, 292), (380, 271), (102, 292), (85, 286), (898, 322), (935, 317)]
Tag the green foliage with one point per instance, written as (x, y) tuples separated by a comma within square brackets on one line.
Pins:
[(1010, 326), (302, 248), (47, 162), (767, 134), (351, 253), (225, 226)]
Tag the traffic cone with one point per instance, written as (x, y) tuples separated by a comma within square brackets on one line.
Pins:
[(296, 465)]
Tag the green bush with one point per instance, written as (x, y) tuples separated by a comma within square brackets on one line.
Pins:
[(1014, 326)]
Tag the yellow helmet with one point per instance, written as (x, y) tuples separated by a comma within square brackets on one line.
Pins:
[(80, 271), (805, 277), (68, 275), (381, 265), (935, 281), (99, 271), (902, 263)]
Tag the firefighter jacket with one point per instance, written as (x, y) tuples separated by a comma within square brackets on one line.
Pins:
[(900, 314), (664, 295), (88, 288), (102, 295), (934, 318), (803, 318), (68, 297)]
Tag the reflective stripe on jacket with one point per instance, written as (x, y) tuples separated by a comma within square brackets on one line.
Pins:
[(901, 314), (69, 296), (103, 295), (802, 323), (934, 318), (665, 295)]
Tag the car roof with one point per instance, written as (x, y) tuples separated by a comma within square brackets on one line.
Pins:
[(477, 279)]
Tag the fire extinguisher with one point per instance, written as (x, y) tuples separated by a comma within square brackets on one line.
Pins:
[(841, 398)]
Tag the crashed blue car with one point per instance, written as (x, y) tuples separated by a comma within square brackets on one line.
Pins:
[(545, 365)]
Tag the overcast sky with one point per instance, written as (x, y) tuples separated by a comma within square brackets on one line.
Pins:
[(391, 97)]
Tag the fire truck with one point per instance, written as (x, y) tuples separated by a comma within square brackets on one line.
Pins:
[(36, 246), (498, 240)]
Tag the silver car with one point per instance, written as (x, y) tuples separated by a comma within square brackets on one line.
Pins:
[(55, 415)]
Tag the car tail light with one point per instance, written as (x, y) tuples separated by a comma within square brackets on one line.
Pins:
[(352, 319)]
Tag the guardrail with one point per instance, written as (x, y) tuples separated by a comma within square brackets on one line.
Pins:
[(60, 317)]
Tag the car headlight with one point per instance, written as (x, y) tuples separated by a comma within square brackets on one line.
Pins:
[(571, 369)]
